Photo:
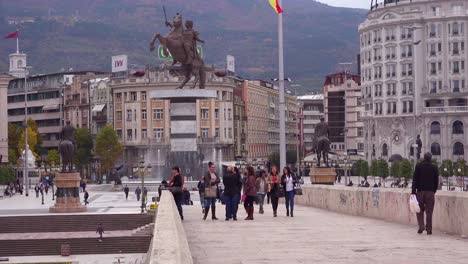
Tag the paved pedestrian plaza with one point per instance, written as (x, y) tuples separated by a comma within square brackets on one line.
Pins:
[(314, 236)]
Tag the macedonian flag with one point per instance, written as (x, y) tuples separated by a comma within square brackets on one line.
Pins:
[(276, 6)]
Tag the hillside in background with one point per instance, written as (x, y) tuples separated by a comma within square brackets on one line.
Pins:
[(84, 34)]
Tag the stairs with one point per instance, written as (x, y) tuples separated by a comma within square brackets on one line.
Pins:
[(72, 223), (146, 230), (78, 246)]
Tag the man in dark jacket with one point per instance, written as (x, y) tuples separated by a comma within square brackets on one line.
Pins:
[(126, 191), (425, 182)]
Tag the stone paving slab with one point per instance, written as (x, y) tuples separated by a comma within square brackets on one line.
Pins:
[(314, 236)]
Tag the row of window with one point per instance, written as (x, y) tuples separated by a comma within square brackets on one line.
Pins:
[(433, 30), (391, 108), (457, 128)]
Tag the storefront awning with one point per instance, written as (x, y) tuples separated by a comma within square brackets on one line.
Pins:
[(98, 108), (50, 107)]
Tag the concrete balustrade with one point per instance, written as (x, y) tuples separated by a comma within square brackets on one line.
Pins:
[(169, 244), (450, 213)]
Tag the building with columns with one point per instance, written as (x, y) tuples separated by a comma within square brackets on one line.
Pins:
[(413, 56), (151, 120)]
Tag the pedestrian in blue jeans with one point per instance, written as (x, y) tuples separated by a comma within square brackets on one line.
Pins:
[(232, 187), (289, 182)]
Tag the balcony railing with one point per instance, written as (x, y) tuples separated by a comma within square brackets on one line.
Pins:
[(446, 109)]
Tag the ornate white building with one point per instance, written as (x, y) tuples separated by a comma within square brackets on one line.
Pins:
[(414, 78)]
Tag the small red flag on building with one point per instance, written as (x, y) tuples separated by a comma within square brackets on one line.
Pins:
[(13, 35)]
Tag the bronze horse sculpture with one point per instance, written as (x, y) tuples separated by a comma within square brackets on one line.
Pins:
[(67, 147), (322, 142), (181, 44)]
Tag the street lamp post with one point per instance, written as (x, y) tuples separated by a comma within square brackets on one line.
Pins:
[(448, 182), (42, 179), (142, 175), (26, 147), (459, 174), (52, 179)]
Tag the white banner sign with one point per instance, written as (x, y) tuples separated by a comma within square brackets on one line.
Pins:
[(231, 63), (119, 63)]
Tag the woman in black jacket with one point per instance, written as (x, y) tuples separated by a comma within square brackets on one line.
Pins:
[(232, 187), (177, 181)]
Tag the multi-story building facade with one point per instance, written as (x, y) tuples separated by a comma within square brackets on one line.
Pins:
[(312, 111), (413, 56), (240, 124), (77, 100), (343, 109), (45, 103), (261, 101), (4, 80), (148, 126), (101, 105)]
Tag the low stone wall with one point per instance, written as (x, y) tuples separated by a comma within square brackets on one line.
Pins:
[(169, 244), (450, 213)]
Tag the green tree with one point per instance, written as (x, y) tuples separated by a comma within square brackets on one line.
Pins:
[(361, 168), (84, 149), (291, 158), (12, 156), (374, 168), (460, 164), (108, 148), (395, 169), (406, 169), (446, 168), (53, 157), (38, 149), (14, 136), (7, 174), (32, 141), (274, 159), (383, 169)]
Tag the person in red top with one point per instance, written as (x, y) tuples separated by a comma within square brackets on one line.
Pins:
[(250, 191)]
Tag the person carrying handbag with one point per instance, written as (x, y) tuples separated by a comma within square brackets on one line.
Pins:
[(175, 186), (211, 191), (274, 188), (289, 182)]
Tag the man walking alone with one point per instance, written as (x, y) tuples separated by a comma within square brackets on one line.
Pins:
[(126, 190), (425, 182)]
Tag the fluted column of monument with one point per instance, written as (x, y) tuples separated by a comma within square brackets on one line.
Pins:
[(67, 181)]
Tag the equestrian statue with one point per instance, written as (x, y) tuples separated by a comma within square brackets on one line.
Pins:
[(322, 142), (67, 147), (182, 45)]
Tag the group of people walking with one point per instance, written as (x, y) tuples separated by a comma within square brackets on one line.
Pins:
[(249, 189)]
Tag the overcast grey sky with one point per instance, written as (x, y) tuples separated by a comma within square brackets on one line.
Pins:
[(348, 3)]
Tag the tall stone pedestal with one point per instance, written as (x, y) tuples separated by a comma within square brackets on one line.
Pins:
[(67, 199), (322, 176)]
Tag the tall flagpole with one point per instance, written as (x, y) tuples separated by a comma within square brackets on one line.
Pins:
[(282, 117), (17, 41)]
